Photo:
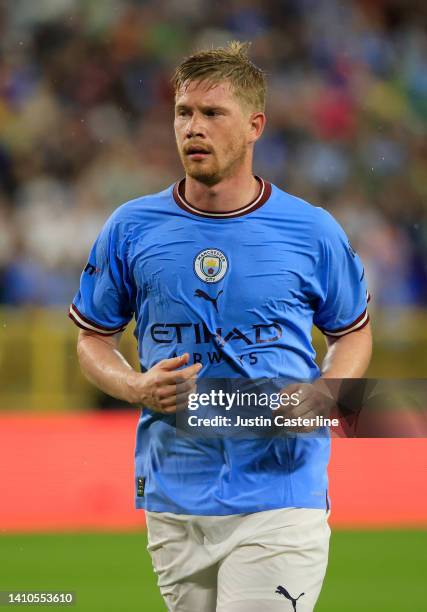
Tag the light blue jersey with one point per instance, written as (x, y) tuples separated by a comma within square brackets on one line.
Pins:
[(239, 291)]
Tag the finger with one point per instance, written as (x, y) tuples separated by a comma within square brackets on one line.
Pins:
[(297, 429), (176, 406), (313, 405), (190, 371), (171, 391), (182, 402), (171, 400), (309, 413), (305, 407), (293, 388), (179, 399), (182, 405), (174, 362), (294, 409), (185, 374), (188, 386)]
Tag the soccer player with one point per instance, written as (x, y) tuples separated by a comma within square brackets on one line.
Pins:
[(225, 275)]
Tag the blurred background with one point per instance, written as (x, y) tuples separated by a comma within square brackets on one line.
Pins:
[(86, 123)]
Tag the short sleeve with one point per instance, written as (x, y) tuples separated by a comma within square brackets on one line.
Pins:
[(104, 302), (342, 298)]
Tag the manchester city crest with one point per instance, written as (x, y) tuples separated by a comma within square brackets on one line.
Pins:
[(210, 265)]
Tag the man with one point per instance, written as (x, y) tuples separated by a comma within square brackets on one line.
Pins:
[(225, 275)]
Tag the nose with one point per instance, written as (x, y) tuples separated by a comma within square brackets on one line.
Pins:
[(195, 127)]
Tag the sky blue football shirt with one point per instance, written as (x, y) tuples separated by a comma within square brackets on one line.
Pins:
[(239, 291)]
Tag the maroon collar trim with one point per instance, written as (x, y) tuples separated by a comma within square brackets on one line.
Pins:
[(262, 197)]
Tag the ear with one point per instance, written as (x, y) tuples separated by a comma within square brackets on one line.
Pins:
[(257, 123)]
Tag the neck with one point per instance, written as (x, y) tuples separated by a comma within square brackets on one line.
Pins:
[(229, 194)]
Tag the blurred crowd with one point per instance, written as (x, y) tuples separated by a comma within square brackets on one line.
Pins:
[(86, 124)]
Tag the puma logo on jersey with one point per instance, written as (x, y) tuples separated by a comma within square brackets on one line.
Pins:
[(90, 269), (282, 591), (201, 294)]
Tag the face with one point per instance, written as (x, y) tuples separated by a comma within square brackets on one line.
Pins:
[(214, 131)]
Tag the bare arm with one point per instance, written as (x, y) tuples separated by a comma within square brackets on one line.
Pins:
[(103, 364), (163, 388), (348, 356)]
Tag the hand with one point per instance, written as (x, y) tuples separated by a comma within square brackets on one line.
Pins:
[(314, 400), (164, 388)]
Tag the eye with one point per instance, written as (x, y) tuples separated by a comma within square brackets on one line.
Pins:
[(182, 113), (211, 113)]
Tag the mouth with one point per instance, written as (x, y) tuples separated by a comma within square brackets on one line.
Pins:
[(196, 152)]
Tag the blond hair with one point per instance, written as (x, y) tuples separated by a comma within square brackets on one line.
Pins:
[(230, 63)]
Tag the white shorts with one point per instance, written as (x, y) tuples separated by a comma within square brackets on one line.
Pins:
[(266, 561)]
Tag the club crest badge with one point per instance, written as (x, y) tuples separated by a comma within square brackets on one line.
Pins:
[(210, 265)]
